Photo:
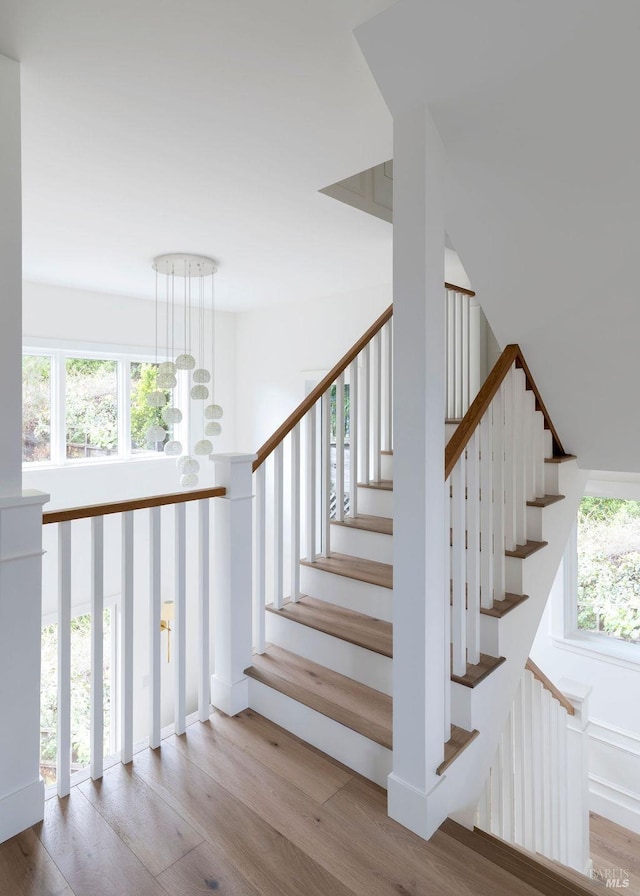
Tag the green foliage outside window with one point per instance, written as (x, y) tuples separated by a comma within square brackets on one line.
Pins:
[(92, 407), (609, 567), (36, 408), (143, 381)]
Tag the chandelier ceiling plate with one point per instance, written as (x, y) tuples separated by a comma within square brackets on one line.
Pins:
[(184, 265)]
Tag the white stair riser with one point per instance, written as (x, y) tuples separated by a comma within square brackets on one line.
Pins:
[(375, 501), (372, 600), (364, 756), (386, 466), (449, 429), (551, 477), (355, 662), (360, 543)]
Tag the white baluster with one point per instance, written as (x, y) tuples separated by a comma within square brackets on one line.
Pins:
[(563, 776), (520, 770), (553, 745), (97, 639), (353, 438), (539, 454), (450, 354), (260, 589), (366, 416), (376, 418), (388, 378), (465, 348), (278, 530), (473, 549), (63, 764), (520, 498), (497, 438), (295, 513), (484, 806), (340, 447), (486, 510), (155, 604), (310, 432), (179, 625), (528, 759), (507, 781), (325, 478), (538, 750), (509, 468), (204, 615), (458, 570), (496, 794), (529, 444), (458, 376), (548, 809), (126, 640)]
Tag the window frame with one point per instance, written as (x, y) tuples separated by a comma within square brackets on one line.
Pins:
[(123, 356)]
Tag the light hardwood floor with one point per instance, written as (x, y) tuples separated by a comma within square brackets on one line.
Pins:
[(238, 807), (615, 852)]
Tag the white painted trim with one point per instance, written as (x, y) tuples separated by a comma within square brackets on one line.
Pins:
[(421, 812), (612, 736), (21, 809), (607, 652), (617, 803)]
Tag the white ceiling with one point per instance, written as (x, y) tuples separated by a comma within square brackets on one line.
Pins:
[(205, 126), (537, 107)]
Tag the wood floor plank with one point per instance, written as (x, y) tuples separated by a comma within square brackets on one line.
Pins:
[(26, 869), (362, 805), (356, 628), (271, 862), (383, 525), (204, 870), (156, 834), (615, 847), (346, 701), (283, 753), (89, 853), (354, 568)]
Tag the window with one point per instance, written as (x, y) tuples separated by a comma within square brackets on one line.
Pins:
[(91, 401), (36, 408), (609, 568), (142, 379)]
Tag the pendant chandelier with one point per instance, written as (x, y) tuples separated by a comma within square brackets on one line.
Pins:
[(184, 287)]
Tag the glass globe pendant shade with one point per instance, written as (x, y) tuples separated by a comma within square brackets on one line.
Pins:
[(185, 362), (156, 399), (199, 392), (156, 434), (166, 380), (200, 375), (213, 412), (173, 448), (188, 480), (187, 464), (212, 429), (202, 447), (167, 367), (172, 415)]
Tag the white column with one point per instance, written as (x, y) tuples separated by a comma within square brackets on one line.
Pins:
[(577, 790), (415, 792), (21, 788), (232, 581)]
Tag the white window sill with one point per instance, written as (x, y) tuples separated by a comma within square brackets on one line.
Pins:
[(600, 647)]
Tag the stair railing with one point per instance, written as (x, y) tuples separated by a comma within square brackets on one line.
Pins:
[(95, 551), (536, 794), (464, 321), (495, 463)]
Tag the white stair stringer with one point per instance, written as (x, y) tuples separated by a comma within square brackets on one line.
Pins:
[(361, 543), (352, 594), (351, 660), (353, 749), (486, 706)]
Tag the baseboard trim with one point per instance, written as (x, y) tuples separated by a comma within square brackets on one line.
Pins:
[(421, 812), (21, 809), (614, 802)]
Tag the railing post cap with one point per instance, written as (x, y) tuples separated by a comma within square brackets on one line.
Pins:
[(233, 457)]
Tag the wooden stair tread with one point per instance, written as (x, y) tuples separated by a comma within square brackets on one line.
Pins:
[(542, 875), (370, 571), (523, 551), (387, 453), (479, 671), (459, 741), (500, 608), (560, 459), (385, 485), (381, 524), (545, 501), (348, 702), (356, 628)]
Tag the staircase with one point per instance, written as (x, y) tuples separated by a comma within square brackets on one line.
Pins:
[(323, 665)]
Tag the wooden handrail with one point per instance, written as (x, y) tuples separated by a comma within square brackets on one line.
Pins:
[(477, 410), (305, 406), (92, 510), (550, 686)]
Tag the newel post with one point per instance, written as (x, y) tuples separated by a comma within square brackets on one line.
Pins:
[(232, 582), (578, 850)]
